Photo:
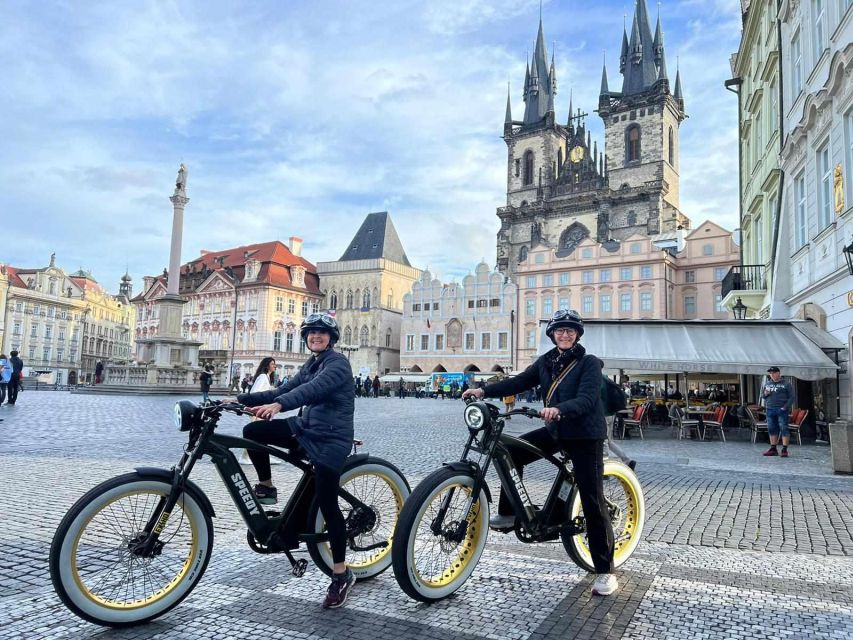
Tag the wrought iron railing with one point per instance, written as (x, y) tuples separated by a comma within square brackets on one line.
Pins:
[(749, 277)]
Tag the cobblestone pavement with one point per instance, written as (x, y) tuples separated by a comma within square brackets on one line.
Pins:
[(735, 545)]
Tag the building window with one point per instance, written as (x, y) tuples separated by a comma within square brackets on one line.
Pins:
[(626, 273), (304, 307), (486, 341), (288, 341), (470, 304), (645, 272), (435, 306), (707, 249), (276, 341), (34, 330), (424, 342), (689, 276), (719, 273), (605, 275), (333, 301), (469, 342), (586, 304), (632, 143), (636, 247), (439, 342), (417, 306), (825, 176), (531, 282), (279, 304), (796, 66), (564, 304), (517, 167), (503, 339), (482, 304), (605, 303), (364, 337), (718, 303), (819, 10), (625, 302), (46, 353), (645, 301), (528, 168), (48, 332), (494, 303), (548, 307), (410, 343), (586, 252), (671, 147), (531, 339), (16, 330), (564, 276), (548, 280), (540, 258), (587, 277), (291, 305), (689, 306), (530, 308), (365, 299), (801, 230)]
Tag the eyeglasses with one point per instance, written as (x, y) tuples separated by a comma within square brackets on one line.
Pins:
[(565, 331), (314, 318), (563, 314)]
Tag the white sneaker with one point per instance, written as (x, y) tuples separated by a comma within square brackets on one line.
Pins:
[(605, 584), (502, 522)]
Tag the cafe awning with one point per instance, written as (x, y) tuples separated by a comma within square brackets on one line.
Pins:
[(712, 346)]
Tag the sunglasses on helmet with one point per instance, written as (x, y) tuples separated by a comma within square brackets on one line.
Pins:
[(314, 318), (566, 314)]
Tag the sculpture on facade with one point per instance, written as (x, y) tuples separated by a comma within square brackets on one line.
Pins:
[(571, 238), (603, 226), (838, 189), (535, 233), (181, 182)]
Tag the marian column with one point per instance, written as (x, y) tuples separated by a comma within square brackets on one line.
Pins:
[(171, 304)]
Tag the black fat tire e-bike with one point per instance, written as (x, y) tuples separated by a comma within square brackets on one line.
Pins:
[(135, 546), (444, 524)]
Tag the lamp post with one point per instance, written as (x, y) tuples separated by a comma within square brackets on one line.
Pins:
[(848, 256), (347, 349), (739, 310)]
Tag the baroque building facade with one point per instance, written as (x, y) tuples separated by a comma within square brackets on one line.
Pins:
[(670, 276), (242, 304), (364, 290), (62, 324), (465, 327), (561, 189)]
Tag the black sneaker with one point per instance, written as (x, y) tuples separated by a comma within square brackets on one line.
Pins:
[(265, 494), (339, 590)]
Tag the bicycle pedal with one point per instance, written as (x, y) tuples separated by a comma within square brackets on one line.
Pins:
[(299, 567)]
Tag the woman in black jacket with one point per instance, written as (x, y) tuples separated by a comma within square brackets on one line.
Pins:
[(323, 388), (570, 379)]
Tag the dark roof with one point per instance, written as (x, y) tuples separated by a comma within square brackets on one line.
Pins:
[(376, 238), (640, 71)]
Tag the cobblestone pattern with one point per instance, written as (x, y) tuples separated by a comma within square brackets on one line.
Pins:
[(703, 570)]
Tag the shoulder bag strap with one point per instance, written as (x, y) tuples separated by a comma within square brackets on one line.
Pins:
[(558, 380)]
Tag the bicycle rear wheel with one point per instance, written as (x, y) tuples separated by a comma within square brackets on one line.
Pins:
[(627, 507)]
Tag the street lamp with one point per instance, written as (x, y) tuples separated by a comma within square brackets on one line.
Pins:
[(739, 309), (848, 255), (347, 349)]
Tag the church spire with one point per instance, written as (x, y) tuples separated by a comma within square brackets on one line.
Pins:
[(640, 70), (658, 42), (569, 121), (623, 57), (605, 90), (677, 94), (508, 117), (542, 83)]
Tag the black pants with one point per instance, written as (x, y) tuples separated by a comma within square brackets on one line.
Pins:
[(326, 479), (3, 387), (14, 385), (587, 458)]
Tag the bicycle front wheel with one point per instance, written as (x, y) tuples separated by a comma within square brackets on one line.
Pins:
[(93, 565), (627, 509), (433, 559), (382, 487)]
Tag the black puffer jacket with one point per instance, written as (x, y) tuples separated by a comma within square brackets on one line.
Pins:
[(324, 388), (578, 396)]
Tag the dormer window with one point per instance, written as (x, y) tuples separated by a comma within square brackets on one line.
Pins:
[(252, 269), (297, 275)]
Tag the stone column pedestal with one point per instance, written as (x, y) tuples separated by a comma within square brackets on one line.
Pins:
[(841, 443)]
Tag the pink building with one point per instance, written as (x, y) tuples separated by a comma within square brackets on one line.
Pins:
[(676, 276)]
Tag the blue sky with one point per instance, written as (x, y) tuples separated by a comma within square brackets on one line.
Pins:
[(298, 118)]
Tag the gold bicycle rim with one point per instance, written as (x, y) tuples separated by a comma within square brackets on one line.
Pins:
[(629, 519), (162, 591), (362, 561), (463, 553)]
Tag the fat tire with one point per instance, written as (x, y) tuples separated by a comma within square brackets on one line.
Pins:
[(405, 535), (576, 547), (320, 553), (72, 596)]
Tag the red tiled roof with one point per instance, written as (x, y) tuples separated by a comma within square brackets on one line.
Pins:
[(14, 276)]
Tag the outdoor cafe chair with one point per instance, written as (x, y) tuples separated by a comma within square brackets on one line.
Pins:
[(716, 423), (797, 419), (680, 423), (637, 419), (756, 426)]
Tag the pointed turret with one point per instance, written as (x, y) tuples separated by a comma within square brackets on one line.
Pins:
[(605, 90), (526, 81), (658, 42), (569, 121), (662, 69), (508, 116), (542, 84), (640, 71), (677, 94), (623, 57)]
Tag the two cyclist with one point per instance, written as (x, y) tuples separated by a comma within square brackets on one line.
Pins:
[(570, 380), (324, 430)]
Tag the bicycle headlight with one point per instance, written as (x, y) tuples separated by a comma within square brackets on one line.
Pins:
[(184, 415), (475, 417)]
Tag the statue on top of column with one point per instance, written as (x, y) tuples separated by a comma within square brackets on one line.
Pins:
[(181, 182)]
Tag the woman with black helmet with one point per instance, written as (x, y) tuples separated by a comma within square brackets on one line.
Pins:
[(571, 383), (323, 388)]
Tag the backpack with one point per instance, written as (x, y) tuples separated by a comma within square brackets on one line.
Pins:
[(612, 397)]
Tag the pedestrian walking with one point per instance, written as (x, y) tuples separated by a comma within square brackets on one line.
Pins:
[(245, 384), (205, 380), (778, 399), (5, 376), (376, 386), (263, 375), (99, 371), (15, 379), (402, 391), (368, 385)]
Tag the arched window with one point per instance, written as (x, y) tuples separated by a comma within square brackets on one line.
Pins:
[(632, 143), (333, 300), (390, 302), (347, 336), (365, 299), (388, 337), (632, 219), (349, 299), (559, 161), (671, 147), (528, 167), (522, 254), (364, 338)]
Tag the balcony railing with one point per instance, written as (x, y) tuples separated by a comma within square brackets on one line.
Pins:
[(749, 277)]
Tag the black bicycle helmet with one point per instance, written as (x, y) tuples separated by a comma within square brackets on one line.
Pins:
[(322, 322), (565, 318)]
